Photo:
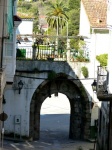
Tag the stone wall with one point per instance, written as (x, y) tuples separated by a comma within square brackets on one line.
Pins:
[(80, 116)]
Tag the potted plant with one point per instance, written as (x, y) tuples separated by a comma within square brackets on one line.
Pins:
[(85, 71)]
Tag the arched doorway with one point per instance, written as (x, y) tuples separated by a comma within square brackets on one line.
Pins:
[(55, 118), (80, 116)]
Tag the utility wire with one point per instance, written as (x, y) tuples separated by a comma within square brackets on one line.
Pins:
[(54, 78)]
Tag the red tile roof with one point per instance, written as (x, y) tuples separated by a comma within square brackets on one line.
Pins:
[(97, 12)]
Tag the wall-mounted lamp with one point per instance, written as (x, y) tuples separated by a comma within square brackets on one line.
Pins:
[(94, 86), (20, 85)]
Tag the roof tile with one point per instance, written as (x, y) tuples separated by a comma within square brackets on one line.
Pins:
[(97, 12)]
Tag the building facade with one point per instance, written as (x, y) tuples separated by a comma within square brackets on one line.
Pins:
[(104, 93), (24, 114), (95, 32), (7, 44)]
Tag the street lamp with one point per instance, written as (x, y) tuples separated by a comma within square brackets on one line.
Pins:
[(20, 85), (94, 86)]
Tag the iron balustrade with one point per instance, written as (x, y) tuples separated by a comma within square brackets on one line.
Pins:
[(102, 79), (43, 52), (44, 48), (46, 52)]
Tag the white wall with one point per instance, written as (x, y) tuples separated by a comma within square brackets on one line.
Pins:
[(19, 105), (26, 27), (109, 13), (84, 22), (110, 63)]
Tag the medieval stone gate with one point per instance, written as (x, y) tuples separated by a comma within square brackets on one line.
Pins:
[(80, 116)]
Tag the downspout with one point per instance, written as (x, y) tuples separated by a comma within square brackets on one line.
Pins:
[(2, 37), (109, 125)]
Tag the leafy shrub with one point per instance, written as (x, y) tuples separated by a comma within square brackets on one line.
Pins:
[(26, 5), (85, 71), (102, 59)]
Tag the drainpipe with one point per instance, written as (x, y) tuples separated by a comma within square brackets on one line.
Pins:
[(2, 36), (109, 125)]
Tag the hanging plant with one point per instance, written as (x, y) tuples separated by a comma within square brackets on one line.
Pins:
[(85, 71)]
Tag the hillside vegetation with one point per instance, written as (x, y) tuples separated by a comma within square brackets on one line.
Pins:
[(34, 8)]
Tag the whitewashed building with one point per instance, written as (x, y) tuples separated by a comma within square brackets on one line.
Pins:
[(104, 92), (94, 30), (9, 21), (24, 38)]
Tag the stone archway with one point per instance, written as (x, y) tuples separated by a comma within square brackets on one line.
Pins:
[(80, 116)]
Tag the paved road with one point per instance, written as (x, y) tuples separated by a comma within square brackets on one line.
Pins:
[(54, 127), (54, 144)]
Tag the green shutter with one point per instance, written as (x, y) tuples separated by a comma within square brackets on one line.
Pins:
[(10, 17)]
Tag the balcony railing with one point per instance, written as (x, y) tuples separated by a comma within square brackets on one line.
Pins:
[(102, 79), (48, 52), (102, 84), (43, 52)]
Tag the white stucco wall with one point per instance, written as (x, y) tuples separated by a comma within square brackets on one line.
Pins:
[(26, 27), (19, 105), (110, 63), (109, 13), (109, 25), (84, 29)]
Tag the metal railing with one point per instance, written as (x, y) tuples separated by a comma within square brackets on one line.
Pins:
[(54, 47), (102, 79), (43, 52), (48, 52)]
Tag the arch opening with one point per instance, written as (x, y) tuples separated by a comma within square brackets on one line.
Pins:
[(55, 117), (80, 117)]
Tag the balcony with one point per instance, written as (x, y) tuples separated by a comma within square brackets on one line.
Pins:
[(42, 52), (50, 53), (102, 84)]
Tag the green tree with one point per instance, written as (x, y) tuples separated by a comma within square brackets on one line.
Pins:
[(102, 59), (29, 10), (57, 15), (74, 4)]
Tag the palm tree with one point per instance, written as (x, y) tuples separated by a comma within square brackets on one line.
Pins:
[(57, 17)]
